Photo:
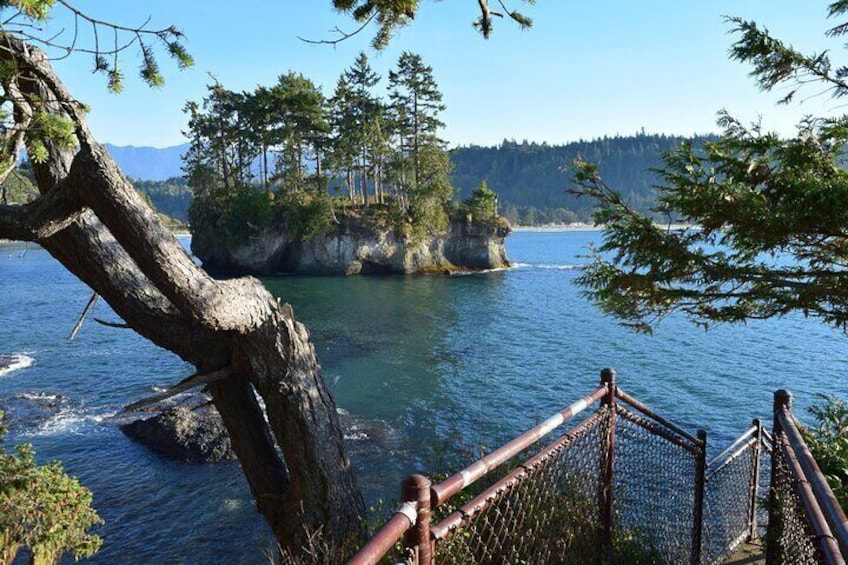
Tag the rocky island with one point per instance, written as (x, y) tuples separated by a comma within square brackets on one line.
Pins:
[(356, 246)]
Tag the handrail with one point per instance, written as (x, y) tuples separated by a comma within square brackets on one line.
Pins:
[(383, 539), (657, 418), (452, 485), (827, 544), (830, 508), (745, 435), (447, 525)]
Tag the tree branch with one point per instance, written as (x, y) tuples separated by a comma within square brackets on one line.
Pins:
[(185, 384)]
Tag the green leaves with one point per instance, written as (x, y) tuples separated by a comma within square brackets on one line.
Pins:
[(43, 508), (828, 442), (33, 9)]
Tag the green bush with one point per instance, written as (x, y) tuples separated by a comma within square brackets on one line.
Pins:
[(828, 442), (306, 213), (249, 212), (42, 508)]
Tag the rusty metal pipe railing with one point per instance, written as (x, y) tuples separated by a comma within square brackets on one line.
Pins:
[(660, 430), (749, 435), (656, 417), (825, 498), (452, 485), (605, 485), (825, 540), (411, 519), (755, 481), (446, 526), (383, 539)]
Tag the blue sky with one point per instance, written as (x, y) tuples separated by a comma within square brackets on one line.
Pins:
[(586, 69)]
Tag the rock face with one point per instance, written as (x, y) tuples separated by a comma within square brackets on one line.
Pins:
[(184, 433), (352, 248)]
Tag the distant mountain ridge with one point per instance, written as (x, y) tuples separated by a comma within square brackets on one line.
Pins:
[(149, 163)]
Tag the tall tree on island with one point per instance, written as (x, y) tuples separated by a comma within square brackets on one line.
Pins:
[(416, 103)]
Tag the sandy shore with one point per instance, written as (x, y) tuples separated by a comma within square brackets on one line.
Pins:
[(586, 227)]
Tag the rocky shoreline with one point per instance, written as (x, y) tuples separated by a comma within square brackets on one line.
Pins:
[(354, 248)]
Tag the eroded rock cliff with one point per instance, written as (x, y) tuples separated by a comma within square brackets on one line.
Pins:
[(352, 247)]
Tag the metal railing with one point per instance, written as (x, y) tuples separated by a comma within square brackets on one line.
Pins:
[(806, 523), (623, 486)]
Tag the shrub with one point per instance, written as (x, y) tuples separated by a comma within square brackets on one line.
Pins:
[(42, 508), (828, 442)]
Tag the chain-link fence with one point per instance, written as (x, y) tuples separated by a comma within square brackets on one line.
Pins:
[(624, 486), (791, 530), (654, 492), (733, 487), (546, 510), (806, 523)]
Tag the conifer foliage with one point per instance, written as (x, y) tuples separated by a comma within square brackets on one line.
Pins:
[(772, 212), (273, 156)]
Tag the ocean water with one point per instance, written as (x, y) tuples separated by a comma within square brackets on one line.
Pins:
[(428, 370)]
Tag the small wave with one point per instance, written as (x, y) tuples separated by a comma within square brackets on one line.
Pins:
[(479, 272), (40, 397), (559, 267), (547, 267), (16, 362), (356, 436), (73, 421)]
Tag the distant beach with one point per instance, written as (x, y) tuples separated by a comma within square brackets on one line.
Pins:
[(580, 226)]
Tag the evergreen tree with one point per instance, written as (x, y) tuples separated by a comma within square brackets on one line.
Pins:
[(363, 123), (773, 213), (297, 108), (415, 105)]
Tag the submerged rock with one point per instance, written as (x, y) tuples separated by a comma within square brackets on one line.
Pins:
[(186, 433)]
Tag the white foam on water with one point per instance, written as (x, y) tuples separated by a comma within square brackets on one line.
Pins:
[(39, 396), (71, 421), (559, 267), (15, 362)]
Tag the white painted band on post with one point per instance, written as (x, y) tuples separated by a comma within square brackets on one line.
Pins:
[(467, 478), (578, 406), (550, 424), (408, 509)]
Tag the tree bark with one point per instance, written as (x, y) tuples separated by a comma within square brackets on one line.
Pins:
[(91, 219)]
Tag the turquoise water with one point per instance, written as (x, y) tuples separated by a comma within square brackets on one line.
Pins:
[(423, 365)]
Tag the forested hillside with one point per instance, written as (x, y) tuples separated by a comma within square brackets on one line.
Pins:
[(532, 179), (170, 197)]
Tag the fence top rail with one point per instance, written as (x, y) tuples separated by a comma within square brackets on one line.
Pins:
[(384, 538), (824, 496), (744, 438), (825, 540), (621, 395), (449, 524), (452, 485)]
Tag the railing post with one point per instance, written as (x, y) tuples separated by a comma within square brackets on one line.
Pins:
[(417, 488), (755, 482), (608, 461), (698, 509), (782, 399)]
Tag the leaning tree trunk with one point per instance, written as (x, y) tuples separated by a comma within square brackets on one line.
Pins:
[(91, 219)]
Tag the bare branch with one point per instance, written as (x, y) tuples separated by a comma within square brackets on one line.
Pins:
[(184, 385), (343, 34)]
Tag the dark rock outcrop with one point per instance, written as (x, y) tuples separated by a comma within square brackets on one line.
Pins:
[(186, 433), (353, 247)]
